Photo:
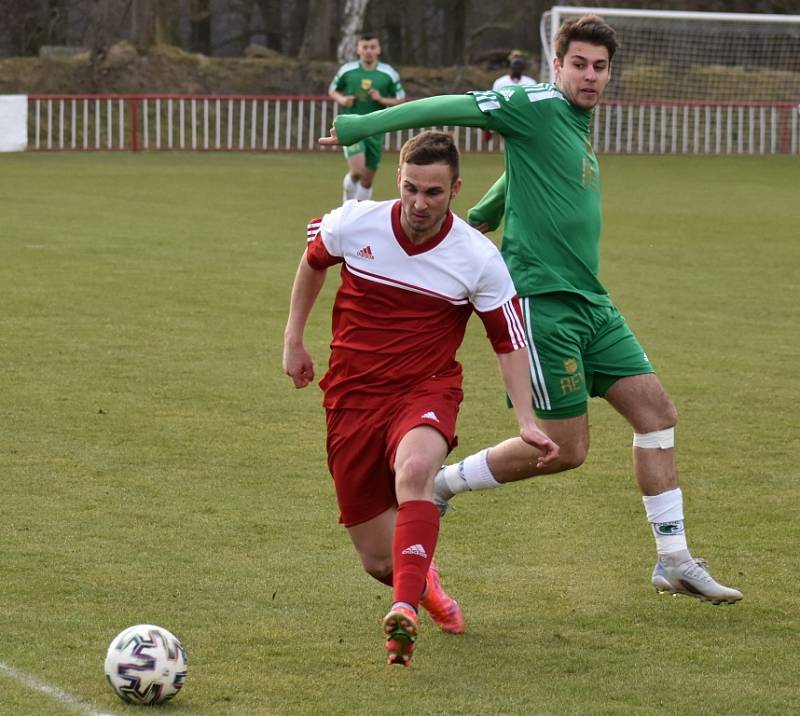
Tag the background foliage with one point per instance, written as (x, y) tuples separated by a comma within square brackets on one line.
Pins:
[(414, 32)]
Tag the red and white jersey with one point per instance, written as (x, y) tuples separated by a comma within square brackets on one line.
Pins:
[(401, 311)]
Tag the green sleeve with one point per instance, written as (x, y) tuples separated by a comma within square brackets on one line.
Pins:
[(455, 109), (490, 209)]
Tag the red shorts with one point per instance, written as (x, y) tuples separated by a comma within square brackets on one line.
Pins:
[(362, 444)]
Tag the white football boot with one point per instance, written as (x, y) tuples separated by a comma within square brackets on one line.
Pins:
[(440, 489), (692, 579)]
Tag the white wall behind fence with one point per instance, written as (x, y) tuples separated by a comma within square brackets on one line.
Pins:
[(13, 122)]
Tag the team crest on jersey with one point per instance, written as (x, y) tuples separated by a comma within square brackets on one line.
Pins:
[(570, 365), (366, 84)]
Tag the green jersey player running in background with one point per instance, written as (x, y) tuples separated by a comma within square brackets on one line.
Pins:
[(580, 344), (361, 87)]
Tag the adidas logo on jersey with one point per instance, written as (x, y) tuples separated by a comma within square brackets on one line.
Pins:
[(365, 253), (430, 415), (416, 549)]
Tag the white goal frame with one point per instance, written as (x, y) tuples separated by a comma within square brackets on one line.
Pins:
[(556, 13), (635, 125)]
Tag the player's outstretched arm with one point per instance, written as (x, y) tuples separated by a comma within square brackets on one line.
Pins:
[(331, 140), (297, 361), (517, 381), (487, 214), (457, 109)]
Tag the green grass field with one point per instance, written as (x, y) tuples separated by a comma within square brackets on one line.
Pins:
[(157, 466)]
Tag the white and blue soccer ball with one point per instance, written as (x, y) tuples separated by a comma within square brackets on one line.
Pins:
[(146, 664)]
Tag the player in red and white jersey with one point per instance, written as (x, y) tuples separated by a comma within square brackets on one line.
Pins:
[(411, 275), (398, 300)]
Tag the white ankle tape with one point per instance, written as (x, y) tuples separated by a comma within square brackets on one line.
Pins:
[(663, 439)]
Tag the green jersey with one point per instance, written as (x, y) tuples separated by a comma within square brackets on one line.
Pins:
[(353, 79), (551, 239)]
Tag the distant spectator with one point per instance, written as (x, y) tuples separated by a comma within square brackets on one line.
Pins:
[(517, 62)]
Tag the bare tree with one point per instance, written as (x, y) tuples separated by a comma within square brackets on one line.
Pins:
[(55, 13), (295, 16), (198, 32), (317, 32), (26, 24), (99, 35), (318, 21), (457, 20), (142, 23), (352, 23), (271, 22)]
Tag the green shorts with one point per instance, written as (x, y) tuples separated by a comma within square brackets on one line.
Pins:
[(577, 349), (371, 147)]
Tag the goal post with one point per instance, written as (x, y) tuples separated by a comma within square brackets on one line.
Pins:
[(694, 82), (700, 56)]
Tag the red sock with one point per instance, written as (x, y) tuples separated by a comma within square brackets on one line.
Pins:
[(415, 534)]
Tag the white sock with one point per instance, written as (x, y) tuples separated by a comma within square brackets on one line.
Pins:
[(348, 188), (472, 473), (665, 515), (363, 192)]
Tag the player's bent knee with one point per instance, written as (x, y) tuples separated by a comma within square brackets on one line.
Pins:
[(569, 460), (377, 568), (413, 468), (658, 439), (570, 456), (669, 414), (673, 415), (663, 416), (413, 477)]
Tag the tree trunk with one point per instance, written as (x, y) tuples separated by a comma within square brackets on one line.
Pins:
[(56, 22), (293, 21), (100, 37), (352, 23), (142, 24), (457, 21), (317, 23), (271, 21)]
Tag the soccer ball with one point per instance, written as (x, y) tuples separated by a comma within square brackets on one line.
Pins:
[(146, 664)]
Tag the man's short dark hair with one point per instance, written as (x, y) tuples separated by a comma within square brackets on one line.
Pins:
[(432, 147), (589, 28), (367, 35)]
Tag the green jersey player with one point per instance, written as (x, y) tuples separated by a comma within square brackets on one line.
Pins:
[(580, 344), (361, 87)]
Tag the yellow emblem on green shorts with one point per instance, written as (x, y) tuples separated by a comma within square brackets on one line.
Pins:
[(570, 365)]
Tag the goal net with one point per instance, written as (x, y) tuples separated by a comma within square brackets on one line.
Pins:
[(694, 56)]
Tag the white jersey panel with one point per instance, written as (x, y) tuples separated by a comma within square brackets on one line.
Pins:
[(508, 80), (464, 267), (346, 67)]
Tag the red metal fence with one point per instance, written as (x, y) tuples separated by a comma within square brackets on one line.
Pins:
[(285, 123)]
